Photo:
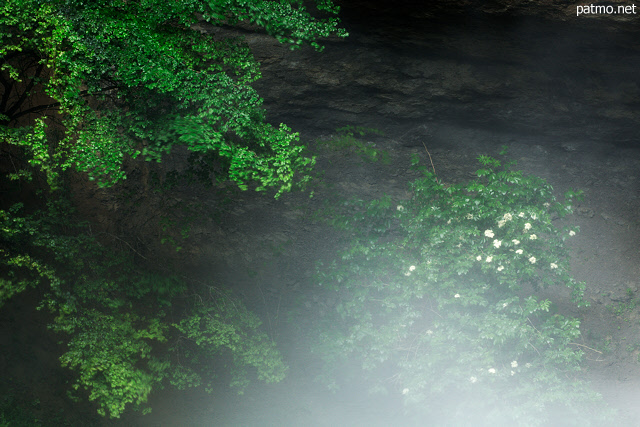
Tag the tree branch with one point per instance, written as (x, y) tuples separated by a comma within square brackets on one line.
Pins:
[(25, 93), (8, 87)]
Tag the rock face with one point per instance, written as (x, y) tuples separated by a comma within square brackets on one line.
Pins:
[(617, 11), (523, 66)]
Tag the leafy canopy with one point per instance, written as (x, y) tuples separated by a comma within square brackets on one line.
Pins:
[(89, 84)]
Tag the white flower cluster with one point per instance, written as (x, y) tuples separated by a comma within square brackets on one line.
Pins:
[(498, 243), (412, 268)]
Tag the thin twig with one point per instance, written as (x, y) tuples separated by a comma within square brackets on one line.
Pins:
[(582, 345), (432, 167), (127, 243)]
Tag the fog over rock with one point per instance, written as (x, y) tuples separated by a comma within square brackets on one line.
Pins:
[(522, 66)]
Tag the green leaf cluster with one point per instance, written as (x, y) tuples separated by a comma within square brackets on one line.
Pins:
[(126, 327), (122, 79), (348, 139)]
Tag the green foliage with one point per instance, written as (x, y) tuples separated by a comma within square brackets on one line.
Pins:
[(621, 308), (18, 410), (220, 325), (127, 78), (108, 351), (114, 314), (435, 301), (348, 139)]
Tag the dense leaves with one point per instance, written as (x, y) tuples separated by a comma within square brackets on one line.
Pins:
[(123, 79), (435, 301), (89, 85), (115, 314)]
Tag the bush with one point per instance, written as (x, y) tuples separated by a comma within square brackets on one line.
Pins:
[(435, 301)]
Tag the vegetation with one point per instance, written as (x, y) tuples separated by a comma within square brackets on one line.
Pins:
[(117, 315), (89, 86), (436, 296), (92, 86), (435, 301)]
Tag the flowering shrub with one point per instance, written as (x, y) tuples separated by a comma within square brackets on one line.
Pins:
[(435, 301)]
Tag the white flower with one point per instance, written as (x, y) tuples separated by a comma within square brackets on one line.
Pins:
[(553, 265), (473, 379), (528, 365), (488, 233), (501, 268), (400, 208), (532, 260), (413, 267), (534, 216), (479, 258), (504, 305), (469, 216), (514, 364), (492, 371), (497, 243), (449, 222), (429, 332), (519, 251), (572, 233), (512, 373), (546, 205), (507, 217), (489, 258), (533, 237), (407, 273), (405, 391), (516, 242), (521, 214), (527, 226), (456, 296), (501, 223)]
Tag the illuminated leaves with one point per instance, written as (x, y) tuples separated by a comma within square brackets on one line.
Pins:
[(132, 77)]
